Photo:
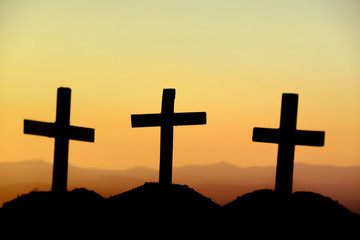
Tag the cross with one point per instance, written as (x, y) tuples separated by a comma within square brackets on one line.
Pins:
[(62, 131), (167, 119), (287, 136)]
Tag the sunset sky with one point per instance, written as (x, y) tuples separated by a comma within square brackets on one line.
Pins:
[(230, 58)]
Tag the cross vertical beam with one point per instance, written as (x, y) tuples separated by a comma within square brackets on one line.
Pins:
[(287, 137), (167, 137), (286, 151), (61, 152)]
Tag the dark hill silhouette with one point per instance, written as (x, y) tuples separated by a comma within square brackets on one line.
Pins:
[(168, 202), (301, 211), (51, 214), (168, 210), (181, 210), (148, 198), (46, 204), (150, 206)]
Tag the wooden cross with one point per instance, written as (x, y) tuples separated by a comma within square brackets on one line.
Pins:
[(167, 119), (62, 131), (287, 136)]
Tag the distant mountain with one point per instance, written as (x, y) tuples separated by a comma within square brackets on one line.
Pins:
[(221, 182), (22, 177)]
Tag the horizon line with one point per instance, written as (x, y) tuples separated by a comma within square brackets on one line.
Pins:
[(181, 166)]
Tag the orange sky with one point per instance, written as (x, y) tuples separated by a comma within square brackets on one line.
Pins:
[(232, 59)]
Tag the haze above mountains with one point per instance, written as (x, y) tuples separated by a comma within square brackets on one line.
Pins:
[(221, 182)]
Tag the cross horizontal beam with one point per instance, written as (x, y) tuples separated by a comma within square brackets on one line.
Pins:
[(39, 128), (82, 134), (301, 137), (49, 130), (145, 120), (310, 138), (178, 119), (268, 135), (189, 118)]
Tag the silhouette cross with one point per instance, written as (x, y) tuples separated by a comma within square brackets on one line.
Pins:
[(62, 131), (287, 136), (167, 119)]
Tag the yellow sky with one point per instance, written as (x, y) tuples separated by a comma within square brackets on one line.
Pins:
[(232, 59)]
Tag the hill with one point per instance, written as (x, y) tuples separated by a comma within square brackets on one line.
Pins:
[(159, 199), (171, 206), (301, 213), (46, 204), (146, 207), (299, 205), (178, 210)]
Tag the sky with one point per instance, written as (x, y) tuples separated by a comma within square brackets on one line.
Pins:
[(230, 58)]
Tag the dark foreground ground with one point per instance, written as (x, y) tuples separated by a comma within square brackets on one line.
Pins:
[(177, 211)]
